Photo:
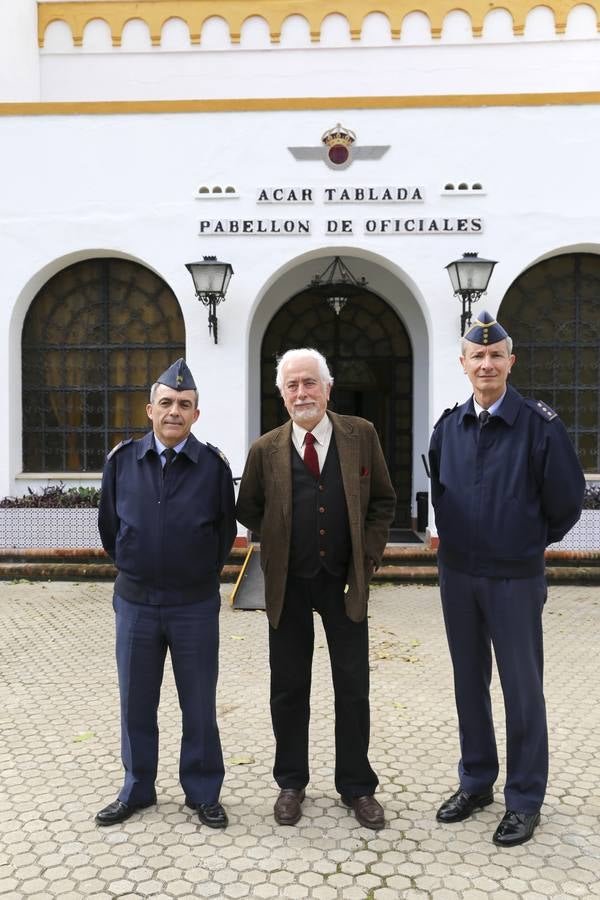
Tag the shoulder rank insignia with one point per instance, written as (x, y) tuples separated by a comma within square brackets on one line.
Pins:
[(118, 447), (219, 453), (542, 409), (446, 412)]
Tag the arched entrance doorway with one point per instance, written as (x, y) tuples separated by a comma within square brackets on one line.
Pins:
[(552, 312), (370, 355)]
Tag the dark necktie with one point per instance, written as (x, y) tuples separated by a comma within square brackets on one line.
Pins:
[(169, 455), (311, 460), (484, 417)]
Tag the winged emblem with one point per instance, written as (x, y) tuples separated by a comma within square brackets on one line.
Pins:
[(338, 149)]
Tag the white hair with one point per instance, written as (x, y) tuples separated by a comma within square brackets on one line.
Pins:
[(156, 386), (293, 355), (464, 341)]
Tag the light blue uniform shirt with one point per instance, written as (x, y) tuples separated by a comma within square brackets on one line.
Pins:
[(160, 447)]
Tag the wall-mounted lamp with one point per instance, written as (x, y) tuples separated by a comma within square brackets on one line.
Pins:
[(211, 279), (470, 277), (336, 284)]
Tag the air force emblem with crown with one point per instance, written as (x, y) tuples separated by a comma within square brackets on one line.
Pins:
[(338, 149)]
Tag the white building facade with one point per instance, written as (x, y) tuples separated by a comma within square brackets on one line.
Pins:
[(140, 136)]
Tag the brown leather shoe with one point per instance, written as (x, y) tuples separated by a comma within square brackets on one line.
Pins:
[(288, 809), (367, 810)]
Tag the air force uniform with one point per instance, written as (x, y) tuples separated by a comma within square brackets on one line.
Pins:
[(169, 534), (501, 494)]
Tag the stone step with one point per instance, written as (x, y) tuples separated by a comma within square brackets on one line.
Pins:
[(396, 554), (400, 564), (560, 574), (77, 571)]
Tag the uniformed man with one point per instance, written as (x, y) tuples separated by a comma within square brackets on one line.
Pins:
[(167, 520), (505, 483)]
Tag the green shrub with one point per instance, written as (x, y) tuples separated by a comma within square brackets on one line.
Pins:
[(591, 499)]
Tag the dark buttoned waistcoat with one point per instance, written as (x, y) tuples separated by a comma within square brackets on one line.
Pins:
[(320, 532)]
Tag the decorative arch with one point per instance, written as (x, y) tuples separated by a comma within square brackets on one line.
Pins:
[(92, 341), (552, 312), (396, 291), (77, 13)]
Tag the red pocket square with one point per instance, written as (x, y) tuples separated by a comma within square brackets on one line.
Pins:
[(363, 472)]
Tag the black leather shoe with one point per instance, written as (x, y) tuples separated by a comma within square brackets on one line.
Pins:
[(288, 806), (515, 828), (118, 812), (461, 805), (211, 814)]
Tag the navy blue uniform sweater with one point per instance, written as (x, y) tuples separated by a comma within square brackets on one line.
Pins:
[(503, 494), (169, 538)]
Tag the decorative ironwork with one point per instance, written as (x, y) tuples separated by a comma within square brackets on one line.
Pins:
[(94, 338), (552, 312), (370, 356), (336, 285)]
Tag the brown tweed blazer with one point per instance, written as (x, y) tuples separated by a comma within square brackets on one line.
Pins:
[(265, 506)]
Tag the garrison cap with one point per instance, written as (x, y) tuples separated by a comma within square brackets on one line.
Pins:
[(485, 330), (178, 377)]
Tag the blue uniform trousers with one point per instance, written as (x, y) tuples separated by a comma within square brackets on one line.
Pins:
[(191, 633), (506, 613)]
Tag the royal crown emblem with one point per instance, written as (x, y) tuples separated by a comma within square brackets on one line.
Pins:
[(338, 149), (338, 142)]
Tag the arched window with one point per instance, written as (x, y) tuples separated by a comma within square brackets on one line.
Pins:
[(94, 338), (552, 311)]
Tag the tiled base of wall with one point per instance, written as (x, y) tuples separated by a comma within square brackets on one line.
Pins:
[(47, 528)]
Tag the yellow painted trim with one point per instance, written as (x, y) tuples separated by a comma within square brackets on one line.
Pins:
[(283, 104), (241, 575), (77, 14)]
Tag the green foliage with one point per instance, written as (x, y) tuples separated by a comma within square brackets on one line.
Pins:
[(591, 499), (55, 496)]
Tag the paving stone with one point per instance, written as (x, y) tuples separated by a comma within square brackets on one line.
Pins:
[(353, 893), (340, 881), (295, 891), (237, 889), (60, 681), (266, 890)]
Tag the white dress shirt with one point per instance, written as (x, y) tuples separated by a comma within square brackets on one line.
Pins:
[(322, 434), (492, 409)]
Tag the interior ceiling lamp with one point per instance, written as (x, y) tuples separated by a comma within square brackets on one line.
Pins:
[(470, 277), (211, 279), (336, 284)]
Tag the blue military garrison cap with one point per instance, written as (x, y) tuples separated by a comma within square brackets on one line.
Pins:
[(485, 330), (178, 377)]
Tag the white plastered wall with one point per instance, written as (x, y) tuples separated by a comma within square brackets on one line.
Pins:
[(124, 185), (414, 64)]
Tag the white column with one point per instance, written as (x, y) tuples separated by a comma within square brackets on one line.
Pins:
[(19, 55)]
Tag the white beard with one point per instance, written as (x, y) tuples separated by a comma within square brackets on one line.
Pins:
[(304, 413)]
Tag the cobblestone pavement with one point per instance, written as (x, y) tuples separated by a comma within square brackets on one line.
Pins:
[(59, 763)]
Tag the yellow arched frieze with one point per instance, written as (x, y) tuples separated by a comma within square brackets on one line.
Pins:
[(77, 14)]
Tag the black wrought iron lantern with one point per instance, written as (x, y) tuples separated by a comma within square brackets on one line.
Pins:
[(336, 284), (470, 277), (211, 279)]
